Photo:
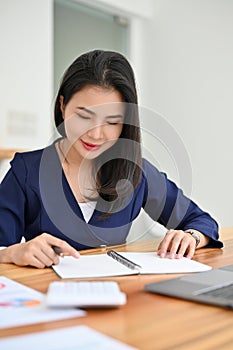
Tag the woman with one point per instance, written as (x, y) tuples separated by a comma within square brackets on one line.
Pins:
[(86, 188)]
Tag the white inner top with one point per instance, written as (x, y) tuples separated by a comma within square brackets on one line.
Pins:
[(87, 209)]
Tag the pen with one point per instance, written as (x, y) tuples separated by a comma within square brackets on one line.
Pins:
[(121, 259), (57, 250)]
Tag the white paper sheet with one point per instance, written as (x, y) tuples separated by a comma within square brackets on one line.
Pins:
[(20, 305), (73, 338), (102, 265)]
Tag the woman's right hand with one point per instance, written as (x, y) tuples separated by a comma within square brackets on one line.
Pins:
[(37, 252)]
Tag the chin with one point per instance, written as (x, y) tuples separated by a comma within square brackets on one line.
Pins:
[(93, 155)]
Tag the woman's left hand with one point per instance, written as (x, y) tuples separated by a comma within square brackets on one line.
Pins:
[(179, 243)]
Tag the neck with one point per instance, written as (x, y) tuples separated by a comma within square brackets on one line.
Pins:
[(78, 171), (70, 156)]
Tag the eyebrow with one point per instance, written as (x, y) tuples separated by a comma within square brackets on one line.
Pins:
[(87, 110), (93, 113)]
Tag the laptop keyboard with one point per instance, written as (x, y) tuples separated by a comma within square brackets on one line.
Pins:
[(222, 292)]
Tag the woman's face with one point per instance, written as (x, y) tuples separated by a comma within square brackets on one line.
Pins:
[(93, 120)]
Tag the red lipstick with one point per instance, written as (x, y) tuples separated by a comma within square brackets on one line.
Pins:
[(90, 146)]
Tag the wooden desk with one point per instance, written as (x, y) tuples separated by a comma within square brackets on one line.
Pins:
[(147, 321), (8, 153)]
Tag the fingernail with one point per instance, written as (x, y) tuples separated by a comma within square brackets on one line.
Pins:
[(76, 255)]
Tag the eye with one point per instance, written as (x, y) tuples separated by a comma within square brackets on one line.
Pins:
[(112, 123), (82, 116)]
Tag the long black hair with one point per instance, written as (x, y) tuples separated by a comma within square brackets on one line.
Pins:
[(108, 69)]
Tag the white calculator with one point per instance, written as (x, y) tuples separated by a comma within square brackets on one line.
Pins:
[(86, 294)]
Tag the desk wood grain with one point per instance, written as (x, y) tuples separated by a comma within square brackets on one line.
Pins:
[(147, 321)]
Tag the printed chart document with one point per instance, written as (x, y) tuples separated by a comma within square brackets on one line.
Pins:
[(103, 265), (73, 338), (21, 305)]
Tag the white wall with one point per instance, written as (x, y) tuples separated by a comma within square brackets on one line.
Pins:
[(26, 73), (187, 55)]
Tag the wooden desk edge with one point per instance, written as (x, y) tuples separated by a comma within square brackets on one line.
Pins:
[(8, 153)]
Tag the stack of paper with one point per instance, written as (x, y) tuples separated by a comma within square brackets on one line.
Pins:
[(74, 338), (20, 305)]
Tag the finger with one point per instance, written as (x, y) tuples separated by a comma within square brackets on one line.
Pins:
[(44, 253), (180, 244), (187, 246), (46, 256), (53, 256), (164, 246), (183, 247), (56, 260), (65, 248), (35, 262), (191, 250), (175, 245), (46, 260)]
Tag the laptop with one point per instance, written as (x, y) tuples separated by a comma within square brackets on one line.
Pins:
[(214, 287)]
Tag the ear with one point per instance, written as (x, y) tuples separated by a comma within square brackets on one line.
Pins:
[(62, 106)]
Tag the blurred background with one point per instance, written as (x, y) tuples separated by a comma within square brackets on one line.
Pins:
[(182, 55)]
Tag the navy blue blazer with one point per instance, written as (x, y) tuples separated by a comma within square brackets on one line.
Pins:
[(35, 197)]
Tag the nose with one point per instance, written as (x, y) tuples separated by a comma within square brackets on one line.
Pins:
[(96, 133)]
